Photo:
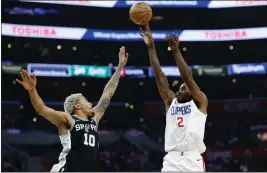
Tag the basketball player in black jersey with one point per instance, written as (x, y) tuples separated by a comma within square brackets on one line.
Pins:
[(77, 126)]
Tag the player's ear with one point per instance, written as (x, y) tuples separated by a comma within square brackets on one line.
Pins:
[(77, 107)]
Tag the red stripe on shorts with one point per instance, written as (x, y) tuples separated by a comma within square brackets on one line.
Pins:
[(203, 165)]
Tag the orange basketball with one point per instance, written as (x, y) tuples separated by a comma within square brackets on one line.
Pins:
[(140, 13)]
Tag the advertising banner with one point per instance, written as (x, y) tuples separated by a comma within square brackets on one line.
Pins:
[(210, 70), (91, 71), (131, 35), (236, 3), (53, 32), (159, 4), (11, 68), (49, 70), (245, 69), (38, 31), (65, 70), (167, 70), (89, 3), (133, 72), (224, 34)]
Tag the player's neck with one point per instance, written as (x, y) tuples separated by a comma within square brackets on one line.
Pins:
[(81, 115), (183, 101)]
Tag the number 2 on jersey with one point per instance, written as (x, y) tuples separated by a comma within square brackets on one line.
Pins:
[(89, 140), (180, 121)]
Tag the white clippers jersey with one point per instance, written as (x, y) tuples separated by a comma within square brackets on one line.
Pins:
[(185, 127)]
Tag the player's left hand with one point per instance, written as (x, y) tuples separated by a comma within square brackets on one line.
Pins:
[(123, 57), (173, 42)]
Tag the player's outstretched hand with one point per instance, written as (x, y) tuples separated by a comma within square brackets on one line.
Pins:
[(173, 42), (123, 56), (147, 35), (28, 82)]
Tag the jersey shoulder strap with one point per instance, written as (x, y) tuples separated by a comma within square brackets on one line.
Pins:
[(174, 101), (72, 123)]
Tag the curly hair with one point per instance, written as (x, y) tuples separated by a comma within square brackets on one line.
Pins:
[(71, 101)]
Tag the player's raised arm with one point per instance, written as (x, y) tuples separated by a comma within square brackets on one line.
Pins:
[(58, 118), (111, 86), (185, 72), (163, 86)]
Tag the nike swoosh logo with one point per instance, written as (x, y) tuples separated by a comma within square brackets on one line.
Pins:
[(198, 159)]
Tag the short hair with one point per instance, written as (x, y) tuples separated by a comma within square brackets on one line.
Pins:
[(71, 101)]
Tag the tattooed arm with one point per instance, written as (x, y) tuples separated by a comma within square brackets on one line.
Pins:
[(111, 87), (108, 92)]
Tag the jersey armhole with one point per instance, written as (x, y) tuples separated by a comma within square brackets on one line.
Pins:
[(96, 122), (72, 124), (195, 104), (71, 127)]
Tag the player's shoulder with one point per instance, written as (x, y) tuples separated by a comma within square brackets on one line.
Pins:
[(174, 101), (92, 120), (169, 103), (202, 109)]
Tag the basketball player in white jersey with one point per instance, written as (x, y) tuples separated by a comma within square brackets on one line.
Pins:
[(186, 112), (78, 124)]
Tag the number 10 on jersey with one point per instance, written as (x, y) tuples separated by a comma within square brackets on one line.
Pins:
[(89, 140)]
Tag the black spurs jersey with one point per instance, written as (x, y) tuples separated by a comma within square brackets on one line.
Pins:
[(80, 144)]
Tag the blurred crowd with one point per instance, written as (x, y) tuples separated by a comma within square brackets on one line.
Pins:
[(224, 131), (113, 160), (13, 160), (246, 164)]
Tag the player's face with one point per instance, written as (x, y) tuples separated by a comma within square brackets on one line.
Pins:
[(183, 94), (86, 107)]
